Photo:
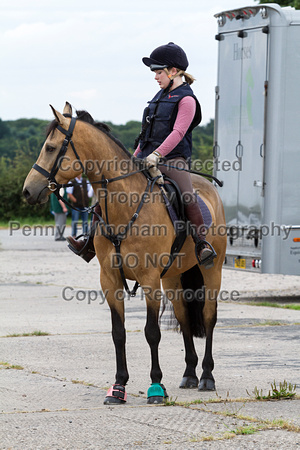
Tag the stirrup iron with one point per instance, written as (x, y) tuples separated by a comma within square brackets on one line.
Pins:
[(208, 261)]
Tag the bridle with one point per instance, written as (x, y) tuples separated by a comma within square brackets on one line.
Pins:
[(53, 184)]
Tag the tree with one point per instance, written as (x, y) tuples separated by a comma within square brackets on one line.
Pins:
[(4, 129), (13, 205), (283, 3)]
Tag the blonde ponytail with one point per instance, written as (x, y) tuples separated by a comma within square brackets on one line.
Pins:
[(189, 78), (181, 73)]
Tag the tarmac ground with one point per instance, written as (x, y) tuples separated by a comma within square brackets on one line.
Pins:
[(54, 380)]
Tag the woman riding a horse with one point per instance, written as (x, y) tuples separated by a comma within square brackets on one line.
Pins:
[(71, 146), (166, 134)]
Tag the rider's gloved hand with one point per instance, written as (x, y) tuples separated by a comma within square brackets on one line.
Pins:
[(152, 162)]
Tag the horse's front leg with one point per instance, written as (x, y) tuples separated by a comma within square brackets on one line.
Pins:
[(113, 289), (157, 392), (173, 291)]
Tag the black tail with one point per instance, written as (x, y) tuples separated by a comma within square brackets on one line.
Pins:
[(194, 295)]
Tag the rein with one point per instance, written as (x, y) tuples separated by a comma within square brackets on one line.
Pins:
[(207, 175)]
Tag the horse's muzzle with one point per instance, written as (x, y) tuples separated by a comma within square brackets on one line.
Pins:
[(28, 197), (34, 198)]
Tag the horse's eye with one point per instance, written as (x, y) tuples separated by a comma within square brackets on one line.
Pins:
[(50, 148)]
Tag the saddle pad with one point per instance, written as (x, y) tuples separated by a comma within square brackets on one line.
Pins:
[(207, 219), (181, 232)]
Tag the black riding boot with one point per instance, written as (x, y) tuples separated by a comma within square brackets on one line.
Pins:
[(85, 247), (205, 253)]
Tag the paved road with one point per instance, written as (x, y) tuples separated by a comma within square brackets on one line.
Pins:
[(52, 387)]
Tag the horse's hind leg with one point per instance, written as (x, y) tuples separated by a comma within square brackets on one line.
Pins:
[(207, 381), (174, 292), (212, 282)]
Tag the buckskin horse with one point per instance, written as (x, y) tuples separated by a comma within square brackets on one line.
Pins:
[(77, 143)]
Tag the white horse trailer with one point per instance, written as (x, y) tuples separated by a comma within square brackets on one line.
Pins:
[(257, 136)]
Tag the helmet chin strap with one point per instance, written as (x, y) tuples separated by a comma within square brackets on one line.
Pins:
[(169, 86), (171, 77)]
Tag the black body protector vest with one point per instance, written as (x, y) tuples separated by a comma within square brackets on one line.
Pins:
[(158, 122)]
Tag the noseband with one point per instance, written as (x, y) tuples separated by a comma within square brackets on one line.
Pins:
[(53, 185)]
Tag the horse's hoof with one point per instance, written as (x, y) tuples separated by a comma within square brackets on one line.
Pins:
[(116, 395), (156, 400), (113, 401), (206, 384), (156, 394), (189, 382)]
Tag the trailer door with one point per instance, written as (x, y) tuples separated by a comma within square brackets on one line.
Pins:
[(253, 92), (228, 122), (240, 106)]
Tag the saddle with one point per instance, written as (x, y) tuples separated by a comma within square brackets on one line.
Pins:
[(175, 207)]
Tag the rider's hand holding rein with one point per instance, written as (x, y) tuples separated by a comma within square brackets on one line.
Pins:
[(152, 162)]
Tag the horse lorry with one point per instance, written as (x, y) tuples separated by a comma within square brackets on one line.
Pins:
[(257, 136)]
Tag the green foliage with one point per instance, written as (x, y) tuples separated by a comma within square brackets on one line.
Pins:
[(21, 134), (296, 307), (247, 429), (20, 144), (170, 402), (283, 3), (203, 146), (4, 129), (126, 133), (33, 333), (283, 391), (12, 176)]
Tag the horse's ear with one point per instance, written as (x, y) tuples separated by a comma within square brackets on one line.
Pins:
[(62, 120), (67, 109)]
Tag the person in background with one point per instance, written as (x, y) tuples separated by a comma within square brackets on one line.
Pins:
[(79, 196), (60, 211)]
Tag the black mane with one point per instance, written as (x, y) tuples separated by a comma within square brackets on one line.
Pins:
[(84, 116)]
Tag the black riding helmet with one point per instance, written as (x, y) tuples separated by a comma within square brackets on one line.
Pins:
[(169, 55)]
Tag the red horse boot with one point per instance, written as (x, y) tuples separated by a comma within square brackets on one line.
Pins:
[(85, 247)]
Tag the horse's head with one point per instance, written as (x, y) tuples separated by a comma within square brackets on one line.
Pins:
[(54, 164)]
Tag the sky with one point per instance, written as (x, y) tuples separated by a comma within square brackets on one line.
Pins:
[(89, 53)]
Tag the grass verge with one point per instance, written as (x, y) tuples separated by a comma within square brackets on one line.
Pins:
[(33, 333), (295, 306)]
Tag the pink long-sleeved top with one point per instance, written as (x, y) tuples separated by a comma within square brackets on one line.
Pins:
[(185, 115)]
